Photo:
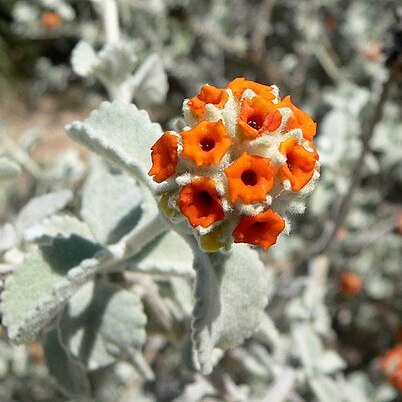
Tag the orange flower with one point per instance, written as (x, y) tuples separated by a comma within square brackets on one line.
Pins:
[(300, 163), (199, 202), (257, 116), (391, 365), (206, 143), (250, 178), (164, 157), (351, 284), (259, 230), (51, 20), (238, 85), (208, 94), (300, 119)]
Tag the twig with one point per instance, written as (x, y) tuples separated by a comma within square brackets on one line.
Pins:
[(325, 241)]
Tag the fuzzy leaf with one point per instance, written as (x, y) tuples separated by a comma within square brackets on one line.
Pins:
[(28, 300), (168, 254), (151, 81), (325, 389), (109, 204), (102, 323), (70, 375), (41, 207), (116, 62), (84, 59), (231, 292), (8, 237), (59, 226), (8, 168), (121, 133)]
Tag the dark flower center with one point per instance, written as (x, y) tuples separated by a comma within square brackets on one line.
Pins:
[(249, 177), (207, 144)]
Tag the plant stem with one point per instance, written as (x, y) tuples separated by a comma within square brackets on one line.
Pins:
[(111, 21)]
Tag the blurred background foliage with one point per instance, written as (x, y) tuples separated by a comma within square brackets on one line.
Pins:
[(341, 61)]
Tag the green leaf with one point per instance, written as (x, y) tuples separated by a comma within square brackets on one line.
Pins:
[(121, 133), (29, 300), (8, 168), (59, 226), (70, 375), (109, 204), (41, 207), (168, 254), (231, 292), (325, 389), (84, 59), (150, 81), (102, 323)]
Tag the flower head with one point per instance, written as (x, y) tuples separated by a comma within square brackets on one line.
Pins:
[(351, 284), (391, 365), (164, 157), (51, 20), (229, 169)]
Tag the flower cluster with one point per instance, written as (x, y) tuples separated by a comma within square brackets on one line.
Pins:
[(391, 365), (244, 160)]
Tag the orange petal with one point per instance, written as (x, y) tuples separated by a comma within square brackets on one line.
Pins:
[(300, 163), (206, 143), (239, 85), (258, 116), (164, 157), (250, 178), (207, 94), (300, 119), (200, 203), (260, 230)]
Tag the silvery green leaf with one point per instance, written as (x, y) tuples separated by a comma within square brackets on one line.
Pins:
[(70, 375), (168, 254), (39, 208), (195, 391), (114, 320), (116, 62), (121, 133), (8, 168), (84, 59), (114, 383), (149, 225), (330, 362), (231, 292), (8, 237), (384, 393), (309, 346), (59, 225), (109, 204), (325, 389), (29, 300), (182, 293), (150, 83)]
